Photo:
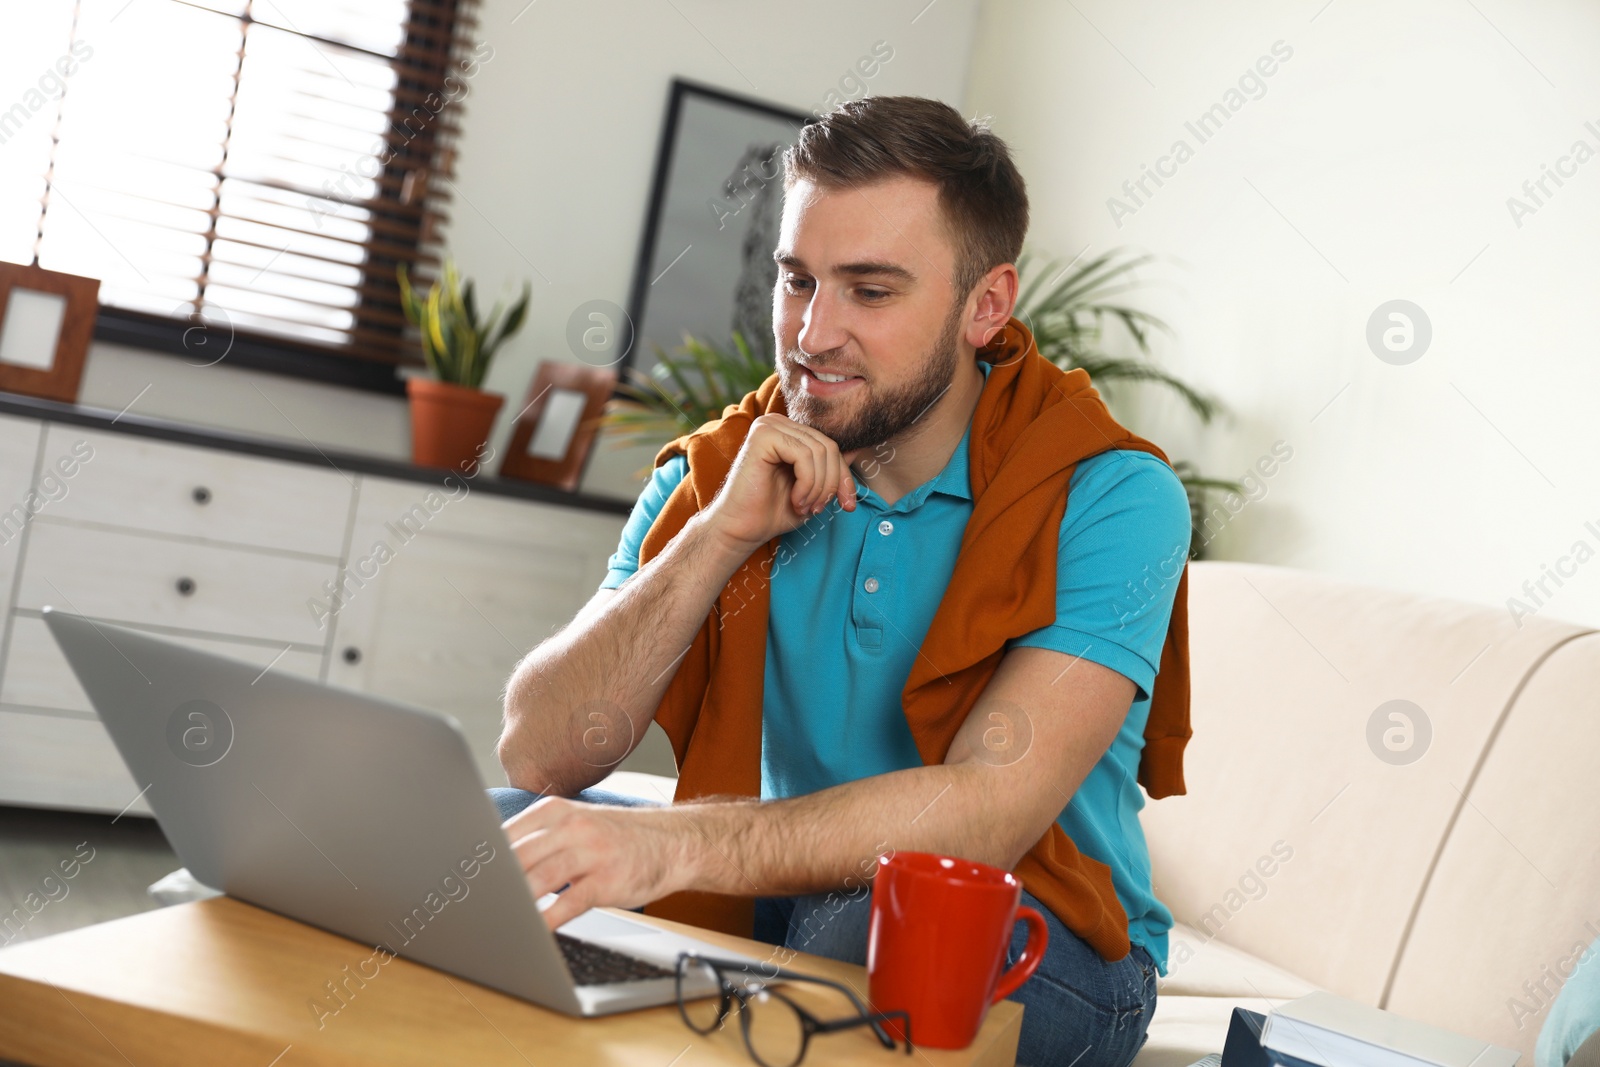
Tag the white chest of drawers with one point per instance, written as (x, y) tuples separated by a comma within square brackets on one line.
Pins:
[(241, 554)]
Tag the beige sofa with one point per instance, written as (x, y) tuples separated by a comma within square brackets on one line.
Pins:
[(1433, 888), (1300, 859)]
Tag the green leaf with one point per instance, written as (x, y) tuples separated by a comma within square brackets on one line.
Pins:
[(512, 322), (686, 388), (1068, 310), (408, 297), (456, 344), (1104, 369)]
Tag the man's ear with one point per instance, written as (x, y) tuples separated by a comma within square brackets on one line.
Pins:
[(997, 300)]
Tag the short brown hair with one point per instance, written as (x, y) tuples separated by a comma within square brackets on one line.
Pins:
[(984, 198)]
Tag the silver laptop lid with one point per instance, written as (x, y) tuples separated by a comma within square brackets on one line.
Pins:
[(351, 813)]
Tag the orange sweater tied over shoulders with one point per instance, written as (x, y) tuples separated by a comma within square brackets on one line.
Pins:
[(1033, 423)]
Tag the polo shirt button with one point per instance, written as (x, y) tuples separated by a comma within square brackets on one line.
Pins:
[(871, 585), (886, 527)]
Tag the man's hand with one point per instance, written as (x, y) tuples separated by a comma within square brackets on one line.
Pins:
[(784, 474), (612, 856)]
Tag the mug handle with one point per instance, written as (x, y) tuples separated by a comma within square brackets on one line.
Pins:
[(1032, 955)]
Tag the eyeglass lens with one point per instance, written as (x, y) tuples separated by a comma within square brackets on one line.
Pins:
[(703, 1013), (773, 1030)]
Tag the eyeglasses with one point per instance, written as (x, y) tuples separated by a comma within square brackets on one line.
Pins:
[(776, 1030)]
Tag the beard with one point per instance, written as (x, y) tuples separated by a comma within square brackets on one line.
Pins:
[(881, 413)]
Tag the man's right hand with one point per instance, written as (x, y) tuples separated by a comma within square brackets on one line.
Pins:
[(784, 474)]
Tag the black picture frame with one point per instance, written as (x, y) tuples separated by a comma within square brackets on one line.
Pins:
[(716, 147)]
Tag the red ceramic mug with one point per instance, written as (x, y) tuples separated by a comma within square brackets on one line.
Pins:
[(937, 942)]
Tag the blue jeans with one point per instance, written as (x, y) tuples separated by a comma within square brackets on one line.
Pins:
[(1081, 1010)]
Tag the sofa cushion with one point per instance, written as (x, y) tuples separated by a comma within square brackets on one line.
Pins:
[(1299, 841), (1202, 967)]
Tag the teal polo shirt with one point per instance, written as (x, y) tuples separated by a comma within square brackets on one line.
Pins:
[(853, 595)]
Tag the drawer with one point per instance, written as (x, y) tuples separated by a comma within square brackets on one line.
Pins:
[(126, 577), (37, 674), (197, 492), (49, 761)]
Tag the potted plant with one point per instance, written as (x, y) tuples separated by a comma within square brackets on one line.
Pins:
[(451, 414)]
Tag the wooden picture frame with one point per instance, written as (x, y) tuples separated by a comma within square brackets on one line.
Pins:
[(46, 322), (556, 429)]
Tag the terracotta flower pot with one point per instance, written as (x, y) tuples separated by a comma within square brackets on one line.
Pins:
[(449, 423)]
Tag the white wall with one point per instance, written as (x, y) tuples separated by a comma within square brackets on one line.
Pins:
[(556, 158), (1377, 165)]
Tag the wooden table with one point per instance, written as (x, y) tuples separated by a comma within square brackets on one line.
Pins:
[(222, 982)]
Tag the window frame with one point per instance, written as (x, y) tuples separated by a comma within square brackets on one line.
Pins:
[(427, 21)]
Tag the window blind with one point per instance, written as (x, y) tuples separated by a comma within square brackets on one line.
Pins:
[(262, 165)]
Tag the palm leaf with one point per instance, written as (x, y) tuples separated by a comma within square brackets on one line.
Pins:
[(685, 393), (1068, 313), (1068, 323), (688, 387), (1105, 369)]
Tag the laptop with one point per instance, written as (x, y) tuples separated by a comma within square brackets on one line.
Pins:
[(356, 815)]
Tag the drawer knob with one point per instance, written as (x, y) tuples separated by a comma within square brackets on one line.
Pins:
[(352, 654), (202, 495), (186, 587)]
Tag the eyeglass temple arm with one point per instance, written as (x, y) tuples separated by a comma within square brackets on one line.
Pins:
[(873, 1019)]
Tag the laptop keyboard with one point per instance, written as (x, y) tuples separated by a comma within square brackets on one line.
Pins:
[(593, 964)]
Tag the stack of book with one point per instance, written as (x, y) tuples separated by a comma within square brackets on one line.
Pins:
[(1323, 1030)]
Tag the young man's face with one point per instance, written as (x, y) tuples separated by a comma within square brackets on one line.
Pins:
[(865, 289)]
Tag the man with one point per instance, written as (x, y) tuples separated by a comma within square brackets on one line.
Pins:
[(907, 404)]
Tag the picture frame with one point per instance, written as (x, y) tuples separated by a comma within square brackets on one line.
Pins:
[(716, 200), (555, 430), (46, 322)]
